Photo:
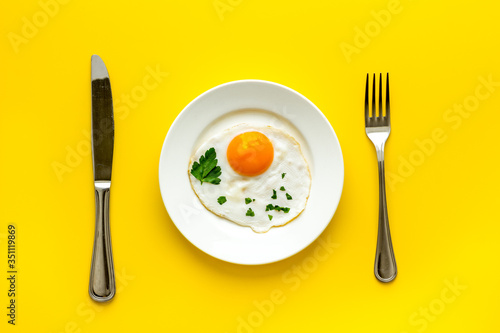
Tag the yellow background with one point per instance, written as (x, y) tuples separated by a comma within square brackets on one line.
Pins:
[(443, 213)]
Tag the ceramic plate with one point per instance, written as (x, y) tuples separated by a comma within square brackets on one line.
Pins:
[(260, 103)]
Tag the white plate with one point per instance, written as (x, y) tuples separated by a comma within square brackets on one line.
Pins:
[(259, 103)]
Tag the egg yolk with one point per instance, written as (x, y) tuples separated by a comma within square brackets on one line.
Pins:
[(250, 153)]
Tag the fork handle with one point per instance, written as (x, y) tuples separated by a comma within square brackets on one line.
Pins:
[(385, 262)]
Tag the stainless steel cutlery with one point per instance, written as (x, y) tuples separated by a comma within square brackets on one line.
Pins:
[(102, 277), (378, 128)]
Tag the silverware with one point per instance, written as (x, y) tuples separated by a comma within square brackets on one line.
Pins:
[(378, 129), (102, 276)]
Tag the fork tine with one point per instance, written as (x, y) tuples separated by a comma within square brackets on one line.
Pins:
[(387, 106), (380, 115), (367, 106), (374, 109)]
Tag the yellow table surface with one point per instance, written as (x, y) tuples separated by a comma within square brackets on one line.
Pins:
[(443, 58)]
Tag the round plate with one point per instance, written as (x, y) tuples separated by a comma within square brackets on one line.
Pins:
[(259, 103)]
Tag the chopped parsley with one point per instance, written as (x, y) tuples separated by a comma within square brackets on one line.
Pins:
[(206, 170), (274, 195), (248, 200), (283, 175), (277, 208), (221, 200), (270, 217), (288, 196), (250, 212), (282, 188)]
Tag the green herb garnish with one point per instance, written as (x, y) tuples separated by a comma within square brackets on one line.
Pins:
[(282, 188), (221, 200), (274, 195), (283, 175), (277, 208), (288, 196), (248, 200), (250, 212), (207, 170), (270, 217)]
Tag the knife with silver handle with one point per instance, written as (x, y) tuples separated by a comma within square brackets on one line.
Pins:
[(102, 276)]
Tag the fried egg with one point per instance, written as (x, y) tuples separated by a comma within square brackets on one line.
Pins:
[(264, 181)]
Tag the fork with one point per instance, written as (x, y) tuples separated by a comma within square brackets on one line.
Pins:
[(378, 129)]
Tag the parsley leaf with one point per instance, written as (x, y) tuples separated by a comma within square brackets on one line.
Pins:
[(270, 217), (288, 196), (283, 175), (248, 200), (274, 195), (206, 170), (277, 208), (250, 212), (221, 200), (282, 188)]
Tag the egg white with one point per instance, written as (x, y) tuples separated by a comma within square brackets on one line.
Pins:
[(288, 159)]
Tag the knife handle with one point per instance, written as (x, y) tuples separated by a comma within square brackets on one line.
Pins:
[(102, 275)]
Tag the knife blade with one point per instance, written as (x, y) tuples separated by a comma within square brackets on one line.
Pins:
[(102, 278)]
